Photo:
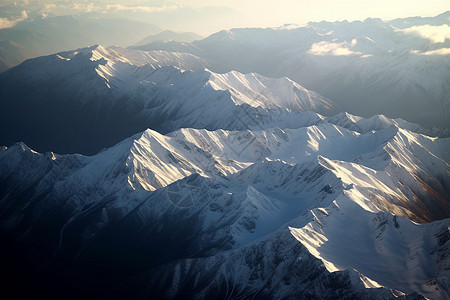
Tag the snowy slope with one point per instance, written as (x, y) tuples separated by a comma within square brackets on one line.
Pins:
[(94, 97), (44, 35), (108, 94), (256, 90), (367, 67), (394, 169), (377, 122), (243, 187), (196, 200), (387, 249)]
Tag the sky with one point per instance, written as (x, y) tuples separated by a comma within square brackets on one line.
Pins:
[(208, 16)]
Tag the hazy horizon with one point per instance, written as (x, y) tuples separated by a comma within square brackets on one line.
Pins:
[(207, 17)]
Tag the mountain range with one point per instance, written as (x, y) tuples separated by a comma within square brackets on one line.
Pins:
[(46, 35), (98, 96), (210, 171), (398, 68), (200, 213)]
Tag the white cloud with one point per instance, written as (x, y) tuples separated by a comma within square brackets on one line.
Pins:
[(7, 23), (442, 51), (335, 49), (100, 7), (69, 7), (436, 34), (85, 7), (144, 9)]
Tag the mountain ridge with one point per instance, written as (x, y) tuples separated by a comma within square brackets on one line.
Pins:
[(234, 204), (102, 89)]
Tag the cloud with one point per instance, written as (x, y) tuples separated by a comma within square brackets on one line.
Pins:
[(69, 7), (87, 7), (335, 49), (7, 23), (442, 51), (436, 34), (144, 9)]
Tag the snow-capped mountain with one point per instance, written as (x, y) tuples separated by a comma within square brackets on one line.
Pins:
[(204, 184), (91, 98), (399, 68), (108, 94), (197, 213), (43, 35), (388, 250)]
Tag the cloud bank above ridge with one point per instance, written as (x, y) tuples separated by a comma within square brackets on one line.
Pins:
[(206, 17)]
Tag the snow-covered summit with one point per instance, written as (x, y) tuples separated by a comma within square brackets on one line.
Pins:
[(223, 196), (378, 122), (111, 93), (239, 174), (398, 68)]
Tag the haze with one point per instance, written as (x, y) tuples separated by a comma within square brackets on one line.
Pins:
[(206, 17)]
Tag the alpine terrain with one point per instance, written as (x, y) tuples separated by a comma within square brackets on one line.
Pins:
[(143, 173)]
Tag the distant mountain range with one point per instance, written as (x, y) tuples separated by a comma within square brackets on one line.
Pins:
[(396, 67), (169, 35), (367, 67), (46, 35)]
